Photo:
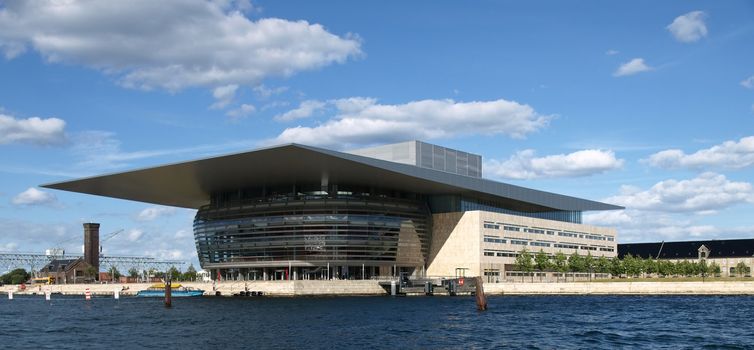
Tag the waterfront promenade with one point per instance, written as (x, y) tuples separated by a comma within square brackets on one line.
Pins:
[(368, 287)]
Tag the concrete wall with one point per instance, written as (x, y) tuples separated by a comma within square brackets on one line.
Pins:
[(271, 288), (617, 288)]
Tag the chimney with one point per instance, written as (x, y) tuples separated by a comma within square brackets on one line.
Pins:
[(91, 244)]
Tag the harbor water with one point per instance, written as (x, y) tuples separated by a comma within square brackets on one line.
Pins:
[(536, 322)]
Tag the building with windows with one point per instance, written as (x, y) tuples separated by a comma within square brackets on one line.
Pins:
[(302, 212), (729, 254)]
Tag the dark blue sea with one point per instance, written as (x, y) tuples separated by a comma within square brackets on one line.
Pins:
[(531, 322)]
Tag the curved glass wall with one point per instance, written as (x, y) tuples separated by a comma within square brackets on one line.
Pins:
[(346, 228)]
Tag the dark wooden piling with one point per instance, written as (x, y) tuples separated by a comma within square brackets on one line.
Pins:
[(481, 299), (168, 292)]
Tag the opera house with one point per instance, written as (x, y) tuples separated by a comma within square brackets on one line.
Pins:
[(302, 212)]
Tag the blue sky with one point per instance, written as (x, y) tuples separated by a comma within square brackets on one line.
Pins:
[(643, 104)]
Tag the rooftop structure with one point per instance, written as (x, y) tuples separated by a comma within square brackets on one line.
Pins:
[(296, 211)]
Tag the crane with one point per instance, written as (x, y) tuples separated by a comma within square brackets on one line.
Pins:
[(109, 235)]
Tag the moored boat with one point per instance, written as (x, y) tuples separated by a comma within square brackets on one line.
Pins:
[(176, 290)]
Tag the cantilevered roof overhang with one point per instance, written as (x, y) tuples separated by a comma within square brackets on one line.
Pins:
[(190, 184)]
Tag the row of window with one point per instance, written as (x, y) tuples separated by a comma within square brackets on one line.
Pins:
[(496, 226), (493, 239)]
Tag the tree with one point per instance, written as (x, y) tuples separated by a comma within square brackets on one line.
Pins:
[(575, 264), (742, 269), (617, 267), (16, 276), (91, 273), (174, 273), (133, 272), (633, 266), (542, 261), (650, 266), (588, 263), (561, 262), (714, 268), (703, 268), (190, 274), (524, 263), (602, 265), (114, 272)]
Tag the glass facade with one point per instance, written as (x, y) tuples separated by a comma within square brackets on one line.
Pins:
[(360, 229), (452, 203)]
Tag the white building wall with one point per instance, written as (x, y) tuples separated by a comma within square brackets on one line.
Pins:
[(494, 240)]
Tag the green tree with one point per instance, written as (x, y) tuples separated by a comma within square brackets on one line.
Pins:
[(576, 264), (524, 263), (561, 262), (617, 267), (588, 262), (542, 261), (133, 272), (190, 274), (16, 276), (633, 266), (703, 268), (714, 269), (114, 273), (742, 269), (650, 266), (174, 273), (91, 273), (602, 265)]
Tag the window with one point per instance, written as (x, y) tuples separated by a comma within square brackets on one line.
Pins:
[(511, 228), (515, 241), (493, 239), (540, 244), (491, 225), (566, 246), (489, 253)]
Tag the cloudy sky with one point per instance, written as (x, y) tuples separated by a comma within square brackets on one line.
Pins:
[(642, 104)]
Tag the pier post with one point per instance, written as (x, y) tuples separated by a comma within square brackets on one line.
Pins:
[(168, 291), (116, 294), (10, 295), (393, 288), (87, 294), (481, 299)]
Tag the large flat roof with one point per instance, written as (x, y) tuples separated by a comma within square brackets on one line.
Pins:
[(190, 184)]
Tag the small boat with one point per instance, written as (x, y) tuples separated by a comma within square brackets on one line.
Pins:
[(176, 290)]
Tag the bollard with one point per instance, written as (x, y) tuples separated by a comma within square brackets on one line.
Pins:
[(88, 294), (47, 295), (393, 290), (168, 294), (10, 295), (481, 299), (116, 294)]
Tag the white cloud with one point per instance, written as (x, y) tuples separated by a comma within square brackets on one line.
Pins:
[(153, 213), (748, 82), (643, 226), (632, 67), (705, 194), (134, 235), (362, 121), (33, 196), (729, 154), (242, 111), (223, 95), (525, 165), (689, 28), (612, 52), (9, 247), (305, 110), (182, 44), (264, 92), (32, 130)]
